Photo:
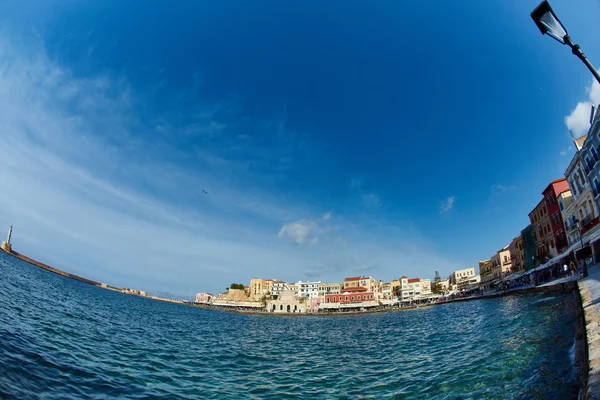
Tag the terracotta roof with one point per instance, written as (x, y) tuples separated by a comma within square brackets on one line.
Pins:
[(355, 289), (413, 280), (403, 277), (354, 278)]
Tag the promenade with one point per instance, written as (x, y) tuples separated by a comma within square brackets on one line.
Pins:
[(590, 299)]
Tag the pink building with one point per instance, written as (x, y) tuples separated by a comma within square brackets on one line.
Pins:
[(204, 297)]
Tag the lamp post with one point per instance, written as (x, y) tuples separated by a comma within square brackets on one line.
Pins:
[(585, 269), (548, 23)]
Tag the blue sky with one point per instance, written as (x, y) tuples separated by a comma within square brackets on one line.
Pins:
[(384, 139)]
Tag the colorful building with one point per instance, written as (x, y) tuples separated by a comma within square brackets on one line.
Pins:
[(543, 235), (501, 264), (517, 254), (330, 288), (368, 283), (485, 273), (351, 295), (551, 195)]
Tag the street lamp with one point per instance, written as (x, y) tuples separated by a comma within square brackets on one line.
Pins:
[(548, 23), (585, 269)]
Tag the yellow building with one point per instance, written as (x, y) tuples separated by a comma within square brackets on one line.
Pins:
[(260, 287), (501, 264), (485, 273), (361, 281), (330, 288)]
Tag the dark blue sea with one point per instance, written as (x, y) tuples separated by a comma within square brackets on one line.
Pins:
[(63, 339)]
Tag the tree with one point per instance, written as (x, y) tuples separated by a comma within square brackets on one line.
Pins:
[(237, 286), (436, 283)]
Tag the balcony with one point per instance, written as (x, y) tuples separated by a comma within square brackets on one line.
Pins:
[(592, 222)]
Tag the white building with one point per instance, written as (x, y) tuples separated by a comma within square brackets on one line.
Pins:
[(277, 287), (410, 288), (309, 290)]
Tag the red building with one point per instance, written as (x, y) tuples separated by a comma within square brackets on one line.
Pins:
[(350, 295), (551, 193)]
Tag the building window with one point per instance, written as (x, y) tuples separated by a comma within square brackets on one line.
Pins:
[(562, 207), (346, 298)]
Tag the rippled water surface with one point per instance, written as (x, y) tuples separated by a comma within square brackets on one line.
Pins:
[(62, 339)]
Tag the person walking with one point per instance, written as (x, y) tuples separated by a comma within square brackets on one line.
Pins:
[(566, 270), (572, 268)]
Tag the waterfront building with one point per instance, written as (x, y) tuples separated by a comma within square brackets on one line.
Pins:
[(517, 254), (460, 275), (581, 216), (309, 290), (385, 288), (395, 286), (469, 283), (425, 286), (551, 194), (287, 302), (258, 288), (529, 248), (501, 264), (409, 287), (204, 297), (368, 283), (485, 273), (590, 157), (330, 288), (277, 287), (293, 287), (315, 303), (356, 294), (544, 238)]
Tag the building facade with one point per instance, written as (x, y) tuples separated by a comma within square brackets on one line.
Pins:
[(308, 290), (485, 273), (204, 297), (277, 287), (330, 288), (543, 235), (366, 282), (425, 286), (460, 275), (517, 254), (287, 303), (551, 195), (351, 295), (501, 264), (529, 248)]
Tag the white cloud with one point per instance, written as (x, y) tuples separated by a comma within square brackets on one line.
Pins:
[(448, 205), (578, 121), (298, 231), (327, 216)]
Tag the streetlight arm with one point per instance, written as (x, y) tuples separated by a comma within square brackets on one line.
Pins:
[(577, 51)]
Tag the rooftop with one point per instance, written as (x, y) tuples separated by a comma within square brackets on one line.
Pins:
[(414, 280)]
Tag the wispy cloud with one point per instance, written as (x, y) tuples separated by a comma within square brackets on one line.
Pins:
[(447, 205), (578, 121), (498, 189)]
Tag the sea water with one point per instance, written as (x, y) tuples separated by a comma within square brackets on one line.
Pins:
[(61, 338)]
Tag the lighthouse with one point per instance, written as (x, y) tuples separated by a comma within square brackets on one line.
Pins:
[(6, 244)]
